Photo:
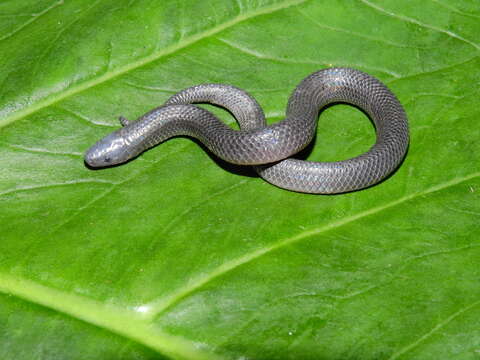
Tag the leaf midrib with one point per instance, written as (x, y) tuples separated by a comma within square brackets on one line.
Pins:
[(145, 61), (141, 328), (128, 324), (159, 306)]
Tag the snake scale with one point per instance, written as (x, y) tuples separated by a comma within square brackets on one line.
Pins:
[(268, 148)]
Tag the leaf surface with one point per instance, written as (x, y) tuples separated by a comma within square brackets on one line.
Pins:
[(177, 255)]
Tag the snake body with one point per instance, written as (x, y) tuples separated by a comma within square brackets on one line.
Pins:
[(268, 147)]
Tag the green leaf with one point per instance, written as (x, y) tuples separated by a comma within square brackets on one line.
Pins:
[(174, 255)]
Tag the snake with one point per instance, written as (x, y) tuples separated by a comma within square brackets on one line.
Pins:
[(269, 148)]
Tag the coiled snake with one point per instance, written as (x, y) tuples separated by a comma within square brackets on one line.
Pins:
[(268, 147)]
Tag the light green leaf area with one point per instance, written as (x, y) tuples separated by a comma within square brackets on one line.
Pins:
[(178, 256)]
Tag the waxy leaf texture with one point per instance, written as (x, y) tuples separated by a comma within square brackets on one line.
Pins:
[(177, 255)]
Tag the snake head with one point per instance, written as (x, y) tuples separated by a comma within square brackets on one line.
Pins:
[(113, 149)]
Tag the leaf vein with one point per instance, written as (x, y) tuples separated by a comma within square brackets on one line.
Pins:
[(60, 33), (108, 191), (455, 10), (149, 88), (116, 320), (40, 150), (162, 304), (205, 200), (430, 72), (360, 35), (50, 100), (436, 328), (325, 63), (53, 185), (33, 19), (419, 23), (83, 117)]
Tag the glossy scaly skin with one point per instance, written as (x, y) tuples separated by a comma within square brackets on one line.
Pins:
[(267, 146)]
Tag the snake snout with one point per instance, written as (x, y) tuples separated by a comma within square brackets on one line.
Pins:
[(111, 150)]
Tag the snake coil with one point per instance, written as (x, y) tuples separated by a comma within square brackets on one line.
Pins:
[(268, 148)]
